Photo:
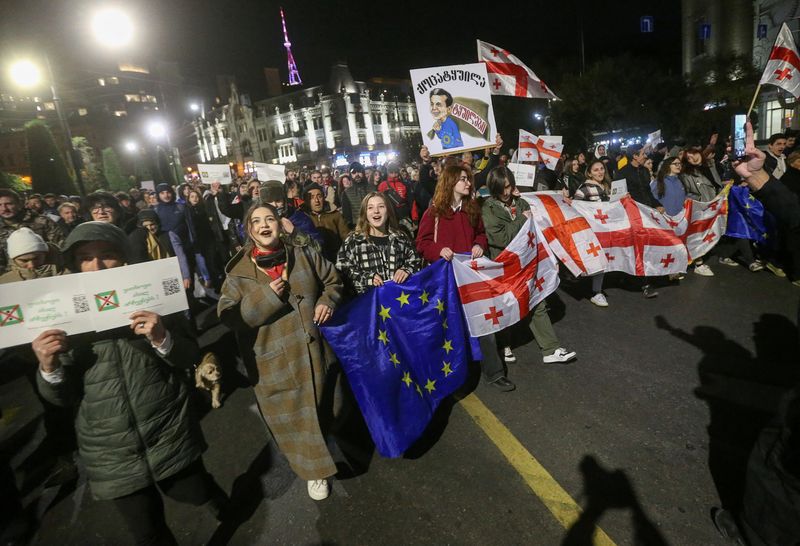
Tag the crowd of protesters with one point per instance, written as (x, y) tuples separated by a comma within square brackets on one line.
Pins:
[(329, 235)]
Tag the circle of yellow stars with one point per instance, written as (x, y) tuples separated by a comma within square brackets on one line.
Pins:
[(383, 336)]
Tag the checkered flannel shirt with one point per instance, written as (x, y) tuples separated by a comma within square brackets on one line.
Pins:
[(360, 259)]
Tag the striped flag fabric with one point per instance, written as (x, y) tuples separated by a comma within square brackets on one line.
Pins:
[(527, 150)]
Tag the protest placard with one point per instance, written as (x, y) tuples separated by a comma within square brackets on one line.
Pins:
[(619, 188), (266, 171), (27, 308), (524, 175), (454, 107), (114, 294), (86, 302), (148, 185), (214, 173)]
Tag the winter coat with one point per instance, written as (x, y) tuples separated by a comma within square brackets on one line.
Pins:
[(400, 196), (351, 200), (500, 227), (333, 229), (137, 245), (453, 231), (360, 259), (133, 423), (53, 266), (283, 350), (699, 187), (638, 181), (41, 225)]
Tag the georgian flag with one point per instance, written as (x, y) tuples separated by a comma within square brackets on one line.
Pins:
[(549, 152), (509, 76), (527, 151), (701, 224), (783, 65), (634, 237), (498, 293), (568, 233)]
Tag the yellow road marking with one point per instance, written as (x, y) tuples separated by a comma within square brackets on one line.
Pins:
[(552, 495)]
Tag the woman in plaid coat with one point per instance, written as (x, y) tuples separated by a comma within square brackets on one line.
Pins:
[(377, 251), (275, 296)]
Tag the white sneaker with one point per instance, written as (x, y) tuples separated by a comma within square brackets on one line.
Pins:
[(703, 270), (318, 489), (508, 356), (560, 355), (599, 300)]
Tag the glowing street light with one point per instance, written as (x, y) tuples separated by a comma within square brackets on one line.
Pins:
[(112, 27), (157, 130), (25, 73), (194, 106), (131, 146)]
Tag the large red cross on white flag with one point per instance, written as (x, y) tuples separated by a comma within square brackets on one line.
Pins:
[(509, 76), (701, 224), (568, 233), (783, 66), (635, 238), (498, 293)]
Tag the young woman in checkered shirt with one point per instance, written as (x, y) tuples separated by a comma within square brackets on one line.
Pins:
[(595, 188), (377, 250)]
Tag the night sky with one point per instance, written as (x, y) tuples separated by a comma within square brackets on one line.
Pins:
[(377, 38)]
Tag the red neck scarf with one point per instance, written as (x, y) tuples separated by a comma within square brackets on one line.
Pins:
[(275, 271)]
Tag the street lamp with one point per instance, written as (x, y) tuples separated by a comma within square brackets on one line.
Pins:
[(156, 130), (131, 146), (26, 74), (112, 27)]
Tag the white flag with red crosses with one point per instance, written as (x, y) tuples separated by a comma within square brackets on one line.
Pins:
[(635, 238), (549, 152), (526, 150), (701, 224), (498, 293), (783, 65), (509, 76)]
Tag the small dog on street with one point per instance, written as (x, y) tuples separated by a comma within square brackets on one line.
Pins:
[(208, 375)]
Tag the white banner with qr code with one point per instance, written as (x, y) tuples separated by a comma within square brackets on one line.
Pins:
[(85, 302)]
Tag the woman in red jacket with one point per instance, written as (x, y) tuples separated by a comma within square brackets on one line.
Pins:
[(453, 225)]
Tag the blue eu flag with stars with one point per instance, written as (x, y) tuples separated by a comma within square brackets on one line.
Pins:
[(404, 347), (746, 216)]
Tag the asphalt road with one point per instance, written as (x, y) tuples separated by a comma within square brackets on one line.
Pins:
[(648, 430)]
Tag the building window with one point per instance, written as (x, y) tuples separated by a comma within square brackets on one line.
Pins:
[(49, 106), (133, 98), (120, 113), (775, 118), (113, 80), (101, 82), (149, 98), (82, 111)]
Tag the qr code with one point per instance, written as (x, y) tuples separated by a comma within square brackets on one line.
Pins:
[(171, 286), (80, 303)]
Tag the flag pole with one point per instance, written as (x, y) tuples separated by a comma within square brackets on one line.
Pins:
[(753, 102)]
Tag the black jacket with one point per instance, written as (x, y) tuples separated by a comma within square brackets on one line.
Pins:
[(638, 180), (137, 245)]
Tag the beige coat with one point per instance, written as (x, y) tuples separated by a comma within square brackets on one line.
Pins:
[(277, 337)]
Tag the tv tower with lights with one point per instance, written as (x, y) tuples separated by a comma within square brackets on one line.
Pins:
[(294, 75)]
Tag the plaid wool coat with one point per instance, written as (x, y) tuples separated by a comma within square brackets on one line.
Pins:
[(279, 340)]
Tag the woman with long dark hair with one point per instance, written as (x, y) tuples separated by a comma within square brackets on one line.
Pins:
[(702, 183), (667, 187), (595, 188), (504, 214), (451, 225)]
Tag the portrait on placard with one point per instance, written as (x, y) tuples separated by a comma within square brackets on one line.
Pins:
[(454, 108)]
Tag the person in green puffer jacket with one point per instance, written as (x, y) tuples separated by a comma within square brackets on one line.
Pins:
[(133, 426)]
